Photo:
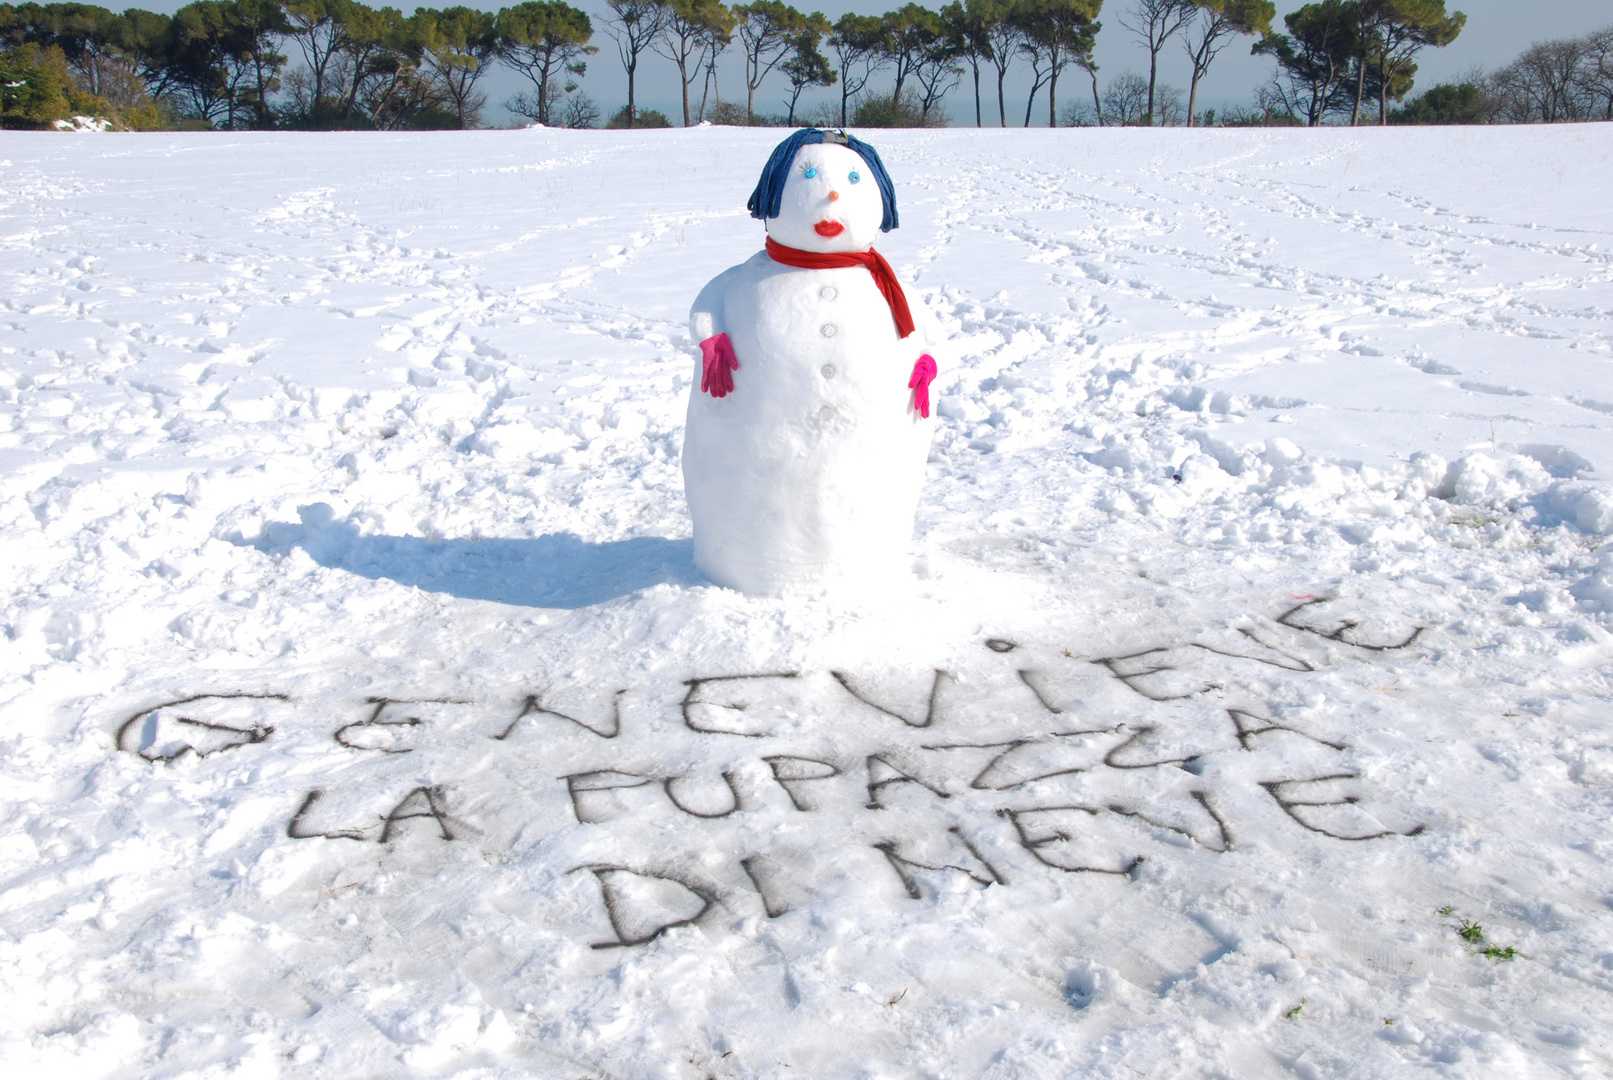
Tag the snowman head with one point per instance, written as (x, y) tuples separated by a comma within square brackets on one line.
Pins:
[(824, 191)]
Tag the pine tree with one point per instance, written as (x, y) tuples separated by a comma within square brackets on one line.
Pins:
[(1393, 35), (634, 25), (908, 33), (807, 66), (1056, 33), (1216, 24), (690, 30), (1314, 57), (857, 42), (967, 38), (459, 47), (33, 86), (766, 28), (545, 40)]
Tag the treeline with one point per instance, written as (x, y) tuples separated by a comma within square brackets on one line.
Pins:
[(1355, 61), (1343, 57), (224, 63), (340, 64), (1553, 82), (918, 55), (256, 64)]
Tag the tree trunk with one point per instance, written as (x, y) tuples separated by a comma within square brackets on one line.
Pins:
[(352, 97), (682, 78), (1360, 89), (543, 96), (631, 69), (1383, 95), (261, 107), (977, 96), (1002, 106), (1097, 102), (1192, 95), (1153, 74), (1052, 99)]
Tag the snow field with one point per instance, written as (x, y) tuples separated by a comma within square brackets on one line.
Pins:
[(358, 684)]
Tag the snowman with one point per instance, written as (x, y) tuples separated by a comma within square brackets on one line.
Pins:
[(810, 425)]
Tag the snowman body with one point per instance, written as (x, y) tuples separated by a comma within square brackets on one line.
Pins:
[(807, 474)]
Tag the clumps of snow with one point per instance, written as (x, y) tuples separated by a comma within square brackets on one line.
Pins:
[(1589, 509), (514, 440), (1488, 480), (1277, 451), (83, 124), (1595, 590)]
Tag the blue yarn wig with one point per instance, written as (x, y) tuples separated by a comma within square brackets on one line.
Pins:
[(769, 194)]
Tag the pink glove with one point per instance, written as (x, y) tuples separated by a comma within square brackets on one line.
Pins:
[(923, 376), (717, 354)]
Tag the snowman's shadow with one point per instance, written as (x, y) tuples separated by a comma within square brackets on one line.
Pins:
[(554, 571)]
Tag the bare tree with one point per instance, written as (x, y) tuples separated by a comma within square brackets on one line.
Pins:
[(1125, 99), (579, 111), (1541, 85), (1596, 71), (1155, 22)]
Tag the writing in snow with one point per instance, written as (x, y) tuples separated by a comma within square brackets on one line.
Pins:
[(897, 791)]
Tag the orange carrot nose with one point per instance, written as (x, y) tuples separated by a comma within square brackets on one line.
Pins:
[(834, 196)]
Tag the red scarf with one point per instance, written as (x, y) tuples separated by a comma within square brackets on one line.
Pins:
[(875, 263)]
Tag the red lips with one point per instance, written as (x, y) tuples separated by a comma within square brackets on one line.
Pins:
[(828, 228)]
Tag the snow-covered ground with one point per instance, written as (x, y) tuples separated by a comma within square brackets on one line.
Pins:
[(363, 714)]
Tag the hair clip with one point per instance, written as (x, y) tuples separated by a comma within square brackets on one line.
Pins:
[(838, 137)]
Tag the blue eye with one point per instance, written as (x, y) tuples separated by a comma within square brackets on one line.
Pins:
[(811, 171), (855, 177)]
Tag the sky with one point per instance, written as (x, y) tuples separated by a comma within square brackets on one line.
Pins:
[(1495, 33)]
